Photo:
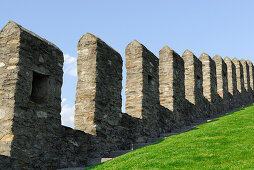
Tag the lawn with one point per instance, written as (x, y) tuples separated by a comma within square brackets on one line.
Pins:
[(225, 143)]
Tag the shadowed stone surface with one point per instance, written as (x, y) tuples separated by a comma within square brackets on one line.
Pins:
[(98, 98), (171, 80), (193, 85), (232, 86), (222, 83), (209, 82), (31, 135), (142, 86), (239, 81)]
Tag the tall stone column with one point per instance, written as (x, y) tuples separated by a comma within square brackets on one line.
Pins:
[(171, 81), (209, 82), (142, 86), (98, 96), (193, 84), (222, 83), (239, 81), (232, 85)]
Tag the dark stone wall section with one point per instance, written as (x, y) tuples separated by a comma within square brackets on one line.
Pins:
[(162, 95)]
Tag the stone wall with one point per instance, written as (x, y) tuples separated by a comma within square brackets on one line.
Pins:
[(162, 95), (31, 78), (98, 98), (222, 84), (209, 83), (171, 86), (232, 84), (194, 85), (142, 86)]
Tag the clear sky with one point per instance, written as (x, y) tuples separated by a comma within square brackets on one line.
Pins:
[(224, 27)]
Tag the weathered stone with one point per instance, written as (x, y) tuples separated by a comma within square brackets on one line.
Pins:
[(222, 84), (171, 81), (209, 82), (239, 81), (142, 86), (232, 84), (31, 134), (193, 85), (98, 97)]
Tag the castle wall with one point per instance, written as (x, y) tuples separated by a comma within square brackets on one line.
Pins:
[(162, 95), (232, 84), (222, 84), (9, 52), (171, 81), (209, 82), (98, 99), (142, 86), (239, 82), (193, 85)]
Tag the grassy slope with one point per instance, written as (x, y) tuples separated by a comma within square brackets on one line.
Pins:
[(225, 143)]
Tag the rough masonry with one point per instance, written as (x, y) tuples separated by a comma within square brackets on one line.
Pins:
[(161, 95)]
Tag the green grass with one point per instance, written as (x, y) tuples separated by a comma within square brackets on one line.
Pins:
[(225, 143)]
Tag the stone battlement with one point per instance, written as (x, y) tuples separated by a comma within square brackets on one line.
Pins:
[(162, 94)]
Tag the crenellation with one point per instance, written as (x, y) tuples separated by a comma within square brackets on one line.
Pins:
[(171, 81), (98, 99), (222, 83), (162, 95), (194, 84), (232, 84), (142, 85), (209, 81), (251, 72), (246, 75)]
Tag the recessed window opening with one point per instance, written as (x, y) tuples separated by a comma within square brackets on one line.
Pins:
[(241, 78), (198, 82), (150, 82), (40, 87)]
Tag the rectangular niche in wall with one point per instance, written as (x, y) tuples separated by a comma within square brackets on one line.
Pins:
[(40, 87), (150, 82)]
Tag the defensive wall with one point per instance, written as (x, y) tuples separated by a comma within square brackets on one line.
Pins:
[(161, 95)]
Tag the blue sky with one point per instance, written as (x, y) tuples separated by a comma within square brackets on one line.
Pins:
[(224, 27)]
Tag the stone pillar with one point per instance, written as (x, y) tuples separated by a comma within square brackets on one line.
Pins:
[(193, 84), (232, 86), (246, 75), (209, 82), (251, 72), (251, 77), (142, 85), (98, 96), (171, 81), (246, 79), (222, 83), (30, 95), (239, 81)]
